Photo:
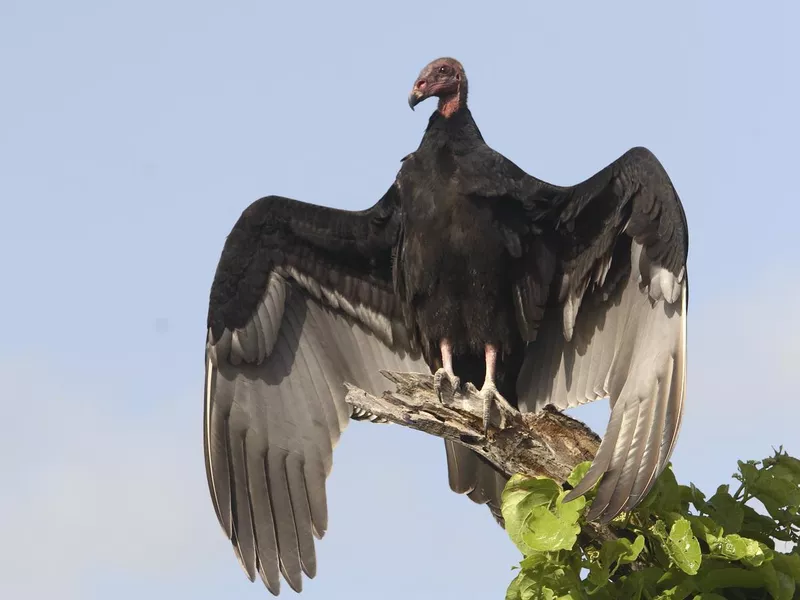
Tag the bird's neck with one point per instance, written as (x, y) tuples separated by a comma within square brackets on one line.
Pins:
[(449, 105), (458, 129)]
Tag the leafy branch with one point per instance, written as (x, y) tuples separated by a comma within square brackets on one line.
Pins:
[(685, 546)]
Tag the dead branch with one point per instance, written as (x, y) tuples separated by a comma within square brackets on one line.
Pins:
[(547, 443)]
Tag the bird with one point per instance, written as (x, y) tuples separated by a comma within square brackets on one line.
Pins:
[(467, 268)]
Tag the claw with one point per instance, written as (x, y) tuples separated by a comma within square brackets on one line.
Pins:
[(490, 396), (453, 382)]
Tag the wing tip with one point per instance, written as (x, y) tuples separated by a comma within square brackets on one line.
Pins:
[(250, 572), (272, 583), (294, 580)]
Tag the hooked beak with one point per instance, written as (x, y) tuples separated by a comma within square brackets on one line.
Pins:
[(415, 97)]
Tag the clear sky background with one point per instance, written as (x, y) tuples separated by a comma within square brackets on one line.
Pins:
[(133, 134)]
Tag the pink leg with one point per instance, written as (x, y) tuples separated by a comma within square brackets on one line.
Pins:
[(491, 364), (447, 355), (489, 392), (446, 372)]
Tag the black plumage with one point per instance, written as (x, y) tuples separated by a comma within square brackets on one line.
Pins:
[(469, 267)]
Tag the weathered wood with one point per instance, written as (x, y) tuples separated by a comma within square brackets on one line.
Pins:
[(546, 443)]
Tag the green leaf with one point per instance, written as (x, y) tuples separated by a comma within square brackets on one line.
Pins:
[(730, 577), (673, 580), (784, 466), (779, 585), (763, 554), (695, 496), (709, 596), (535, 560), (632, 550), (521, 496), (727, 512), (522, 588), (791, 463), (578, 473), (621, 551), (776, 489), (553, 528), (639, 584), (703, 526), (680, 545), (543, 531), (755, 521), (683, 547), (666, 496), (537, 583), (613, 553), (735, 547), (553, 573), (680, 592), (748, 472), (789, 564)]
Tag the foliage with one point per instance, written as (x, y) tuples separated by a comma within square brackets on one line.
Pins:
[(676, 545)]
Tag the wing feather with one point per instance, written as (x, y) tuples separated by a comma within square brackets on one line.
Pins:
[(470, 474), (272, 424), (631, 349), (266, 538), (461, 467), (302, 301), (243, 526), (615, 325)]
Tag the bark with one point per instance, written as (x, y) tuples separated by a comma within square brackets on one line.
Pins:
[(546, 443)]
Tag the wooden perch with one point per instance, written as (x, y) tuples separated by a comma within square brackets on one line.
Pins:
[(546, 443)]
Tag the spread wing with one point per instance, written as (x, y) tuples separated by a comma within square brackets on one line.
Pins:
[(614, 324), (302, 301)]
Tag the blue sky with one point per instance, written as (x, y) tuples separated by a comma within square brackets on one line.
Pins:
[(133, 135)]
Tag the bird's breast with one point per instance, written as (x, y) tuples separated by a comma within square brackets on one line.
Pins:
[(451, 239)]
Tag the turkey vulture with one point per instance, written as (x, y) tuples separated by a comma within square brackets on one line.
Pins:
[(466, 266)]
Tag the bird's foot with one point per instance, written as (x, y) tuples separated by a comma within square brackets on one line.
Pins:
[(491, 396), (445, 384)]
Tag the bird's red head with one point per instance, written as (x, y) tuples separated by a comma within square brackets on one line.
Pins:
[(445, 79)]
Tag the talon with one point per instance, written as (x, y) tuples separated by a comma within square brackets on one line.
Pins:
[(453, 382), (489, 394), (446, 372)]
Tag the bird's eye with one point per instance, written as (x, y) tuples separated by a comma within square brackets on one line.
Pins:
[(443, 69)]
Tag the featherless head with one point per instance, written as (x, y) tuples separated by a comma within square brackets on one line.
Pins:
[(445, 79)]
